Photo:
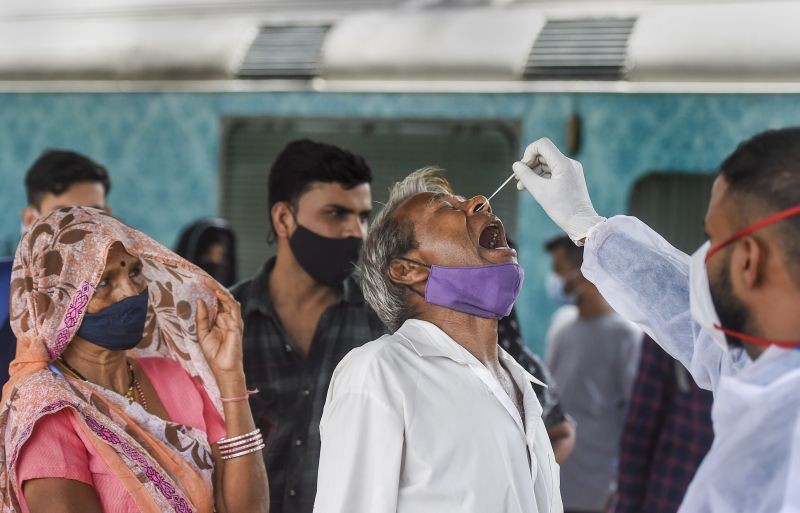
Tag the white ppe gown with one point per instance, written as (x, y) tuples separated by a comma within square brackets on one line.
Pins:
[(754, 463)]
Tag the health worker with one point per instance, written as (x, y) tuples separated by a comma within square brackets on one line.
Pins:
[(729, 312)]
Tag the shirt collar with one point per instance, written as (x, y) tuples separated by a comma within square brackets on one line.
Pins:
[(258, 299), (428, 340)]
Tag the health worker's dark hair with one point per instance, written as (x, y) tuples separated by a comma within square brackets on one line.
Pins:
[(764, 171), (302, 162), (55, 171), (574, 253)]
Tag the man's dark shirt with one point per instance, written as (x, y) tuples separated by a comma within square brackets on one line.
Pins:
[(667, 434), (293, 387), (510, 338), (7, 341)]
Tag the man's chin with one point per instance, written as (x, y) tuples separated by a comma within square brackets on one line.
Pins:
[(499, 255)]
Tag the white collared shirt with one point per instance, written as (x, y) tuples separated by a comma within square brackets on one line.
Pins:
[(415, 423)]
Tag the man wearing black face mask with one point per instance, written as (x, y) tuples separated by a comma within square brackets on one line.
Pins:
[(303, 311)]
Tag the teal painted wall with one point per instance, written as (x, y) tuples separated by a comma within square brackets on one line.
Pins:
[(163, 148)]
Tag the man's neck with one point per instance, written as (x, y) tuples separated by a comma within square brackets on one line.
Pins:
[(777, 322), (591, 303), (290, 286), (475, 334)]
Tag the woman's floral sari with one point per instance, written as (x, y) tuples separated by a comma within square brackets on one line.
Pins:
[(164, 466)]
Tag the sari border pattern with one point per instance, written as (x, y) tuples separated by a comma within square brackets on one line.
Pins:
[(72, 319)]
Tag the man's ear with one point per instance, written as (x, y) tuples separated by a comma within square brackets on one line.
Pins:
[(29, 215), (748, 261), (282, 219), (408, 273)]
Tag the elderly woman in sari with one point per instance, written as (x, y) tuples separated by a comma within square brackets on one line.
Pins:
[(127, 392)]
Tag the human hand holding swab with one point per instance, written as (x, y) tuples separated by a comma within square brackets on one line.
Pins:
[(557, 183)]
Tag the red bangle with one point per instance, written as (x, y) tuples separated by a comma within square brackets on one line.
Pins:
[(239, 398)]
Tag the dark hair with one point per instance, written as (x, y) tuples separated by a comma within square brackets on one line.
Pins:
[(55, 171), (303, 162), (196, 239), (574, 253), (764, 171)]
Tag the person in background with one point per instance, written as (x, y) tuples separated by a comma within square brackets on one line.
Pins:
[(667, 434), (593, 354), (436, 417), (63, 178), (210, 244), (58, 178), (303, 310)]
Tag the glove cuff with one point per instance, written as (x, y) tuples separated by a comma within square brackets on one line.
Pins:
[(579, 227)]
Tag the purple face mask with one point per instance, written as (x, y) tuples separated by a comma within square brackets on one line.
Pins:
[(483, 290)]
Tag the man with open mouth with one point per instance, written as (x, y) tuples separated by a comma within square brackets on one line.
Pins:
[(436, 417)]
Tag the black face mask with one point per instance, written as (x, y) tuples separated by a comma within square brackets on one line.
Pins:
[(329, 261), (119, 326)]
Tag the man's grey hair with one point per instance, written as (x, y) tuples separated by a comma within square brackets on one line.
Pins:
[(388, 239)]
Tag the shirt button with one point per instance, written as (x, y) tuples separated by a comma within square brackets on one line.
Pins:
[(298, 442), (307, 391), (292, 492), (288, 348)]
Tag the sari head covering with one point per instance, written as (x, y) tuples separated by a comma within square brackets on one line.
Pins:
[(58, 263)]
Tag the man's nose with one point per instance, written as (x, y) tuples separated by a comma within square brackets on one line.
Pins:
[(355, 228), (477, 204)]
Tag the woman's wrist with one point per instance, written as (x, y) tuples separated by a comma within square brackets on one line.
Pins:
[(231, 383)]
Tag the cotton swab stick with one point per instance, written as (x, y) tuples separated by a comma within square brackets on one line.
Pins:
[(495, 192)]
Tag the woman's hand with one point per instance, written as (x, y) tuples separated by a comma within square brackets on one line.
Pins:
[(222, 342)]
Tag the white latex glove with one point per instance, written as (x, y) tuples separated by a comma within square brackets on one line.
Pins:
[(556, 182)]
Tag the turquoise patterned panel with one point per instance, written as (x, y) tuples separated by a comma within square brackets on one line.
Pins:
[(162, 149)]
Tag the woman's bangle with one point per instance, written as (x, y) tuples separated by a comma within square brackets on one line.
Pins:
[(240, 397), (241, 445), (252, 434), (238, 444), (244, 452)]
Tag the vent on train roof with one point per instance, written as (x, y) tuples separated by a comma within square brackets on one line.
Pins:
[(285, 51), (583, 49)]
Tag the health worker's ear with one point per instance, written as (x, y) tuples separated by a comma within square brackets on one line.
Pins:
[(748, 263), (403, 272), (283, 219)]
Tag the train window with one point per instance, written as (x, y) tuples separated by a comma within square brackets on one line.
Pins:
[(674, 205), (476, 155)]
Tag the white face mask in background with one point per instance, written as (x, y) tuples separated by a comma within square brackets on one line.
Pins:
[(554, 285), (701, 303)]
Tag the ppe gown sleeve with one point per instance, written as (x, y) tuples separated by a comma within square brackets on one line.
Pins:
[(646, 280)]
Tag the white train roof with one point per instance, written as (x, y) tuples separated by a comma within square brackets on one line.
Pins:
[(373, 41)]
